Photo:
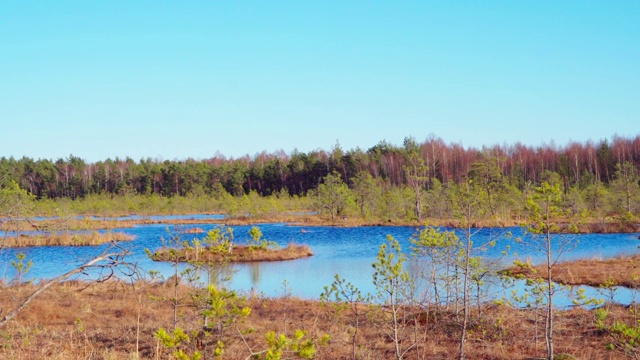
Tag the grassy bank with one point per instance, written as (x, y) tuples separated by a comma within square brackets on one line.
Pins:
[(117, 321)]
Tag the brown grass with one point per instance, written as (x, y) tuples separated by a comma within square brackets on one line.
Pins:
[(195, 230), (101, 322), (607, 228), (590, 226), (624, 271), (66, 239), (238, 254), (66, 225)]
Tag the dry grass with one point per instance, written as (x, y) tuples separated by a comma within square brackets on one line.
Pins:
[(239, 254), (624, 271), (607, 227), (73, 321), (66, 225), (66, 239), (195, 230), (591, 226)]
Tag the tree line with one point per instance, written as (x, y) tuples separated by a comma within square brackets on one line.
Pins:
[(425, 164)]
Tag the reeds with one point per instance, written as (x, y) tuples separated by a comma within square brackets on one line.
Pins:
[(66, 239), (75, 224)]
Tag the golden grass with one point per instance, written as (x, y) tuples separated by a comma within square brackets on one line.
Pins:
[(101, 321), (590, 226), (66, 239), (624, 271), (238, 254), (70, 225), (195, 230), (594, 227)]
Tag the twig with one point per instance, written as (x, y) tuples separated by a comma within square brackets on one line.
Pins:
[(113, 258), (251, 353)]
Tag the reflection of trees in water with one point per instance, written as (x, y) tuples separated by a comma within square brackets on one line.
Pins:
[(255, 274), (215, 273)]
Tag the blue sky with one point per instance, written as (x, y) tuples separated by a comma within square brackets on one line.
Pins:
[(172, 80)]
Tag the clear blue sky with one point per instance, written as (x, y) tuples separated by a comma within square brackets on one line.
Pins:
[(172, 80)]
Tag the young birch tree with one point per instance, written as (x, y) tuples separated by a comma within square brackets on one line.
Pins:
[(415, 172), (626, 187), (333, 196), (395, 290), (550, 239), (16, 205), (469, 206)]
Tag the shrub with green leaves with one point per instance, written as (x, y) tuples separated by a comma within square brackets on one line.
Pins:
[(258, 242)]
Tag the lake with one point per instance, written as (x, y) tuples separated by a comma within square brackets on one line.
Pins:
[(345, 251)]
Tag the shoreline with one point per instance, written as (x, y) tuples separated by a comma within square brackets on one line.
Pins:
[(589, 227), (600, 273)]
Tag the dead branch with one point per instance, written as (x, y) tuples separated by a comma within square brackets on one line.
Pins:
[(111, 261)]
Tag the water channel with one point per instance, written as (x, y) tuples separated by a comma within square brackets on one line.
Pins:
[(345, 251)]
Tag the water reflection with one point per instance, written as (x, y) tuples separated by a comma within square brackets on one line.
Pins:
[(255, 274), (345, 251)]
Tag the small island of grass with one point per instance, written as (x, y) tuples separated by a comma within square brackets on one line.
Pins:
[(218, 247), (237, 254), (618, 271)]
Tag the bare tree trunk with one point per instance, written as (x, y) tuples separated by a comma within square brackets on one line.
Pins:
[(139, 298), (465, 290), (549, 322), (175, 294), (355, 336), (396, 337)]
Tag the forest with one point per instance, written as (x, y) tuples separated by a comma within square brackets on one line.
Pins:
[(384, 184), (577, 164)]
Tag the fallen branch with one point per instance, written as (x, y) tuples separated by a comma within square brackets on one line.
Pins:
[(114, 259)]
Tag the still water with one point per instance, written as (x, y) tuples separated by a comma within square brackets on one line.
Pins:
[(345, 251)]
